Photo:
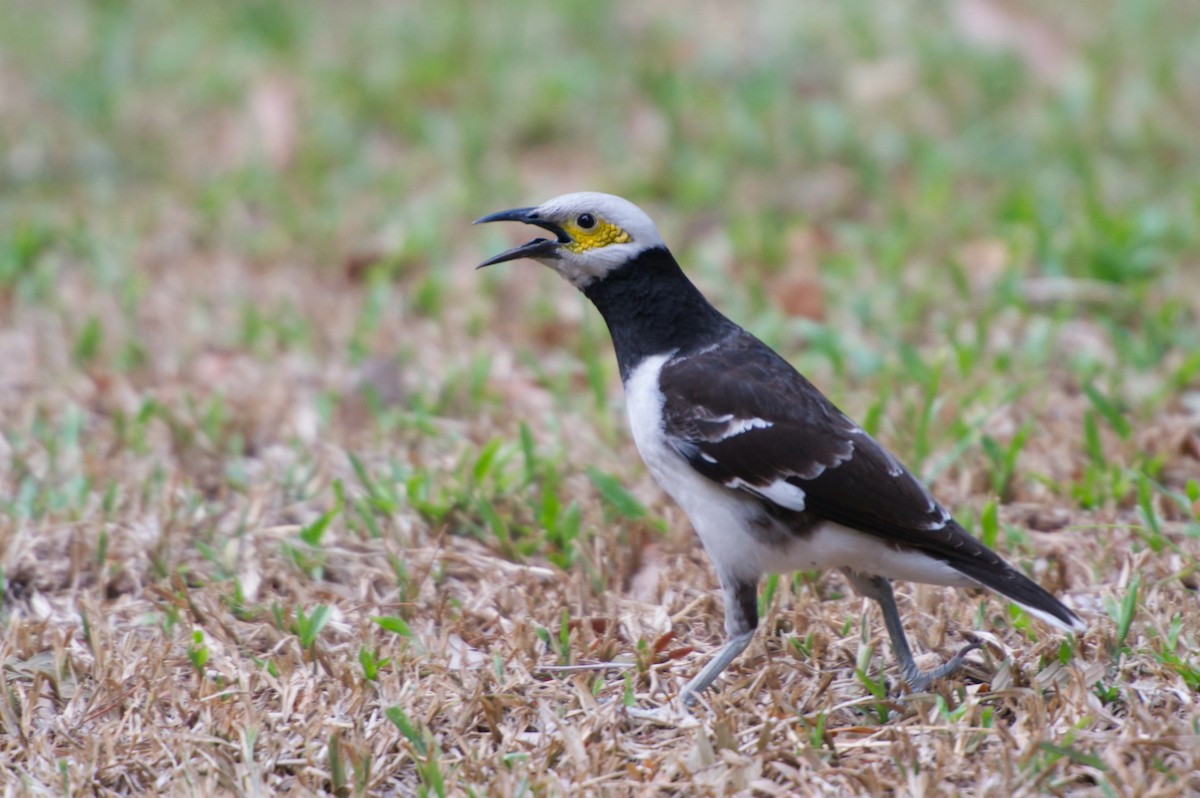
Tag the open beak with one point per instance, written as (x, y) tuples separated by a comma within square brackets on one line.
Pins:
[(538, 248)]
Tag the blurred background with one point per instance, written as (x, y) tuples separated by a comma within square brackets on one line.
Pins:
[(233, 156), (244, 354)]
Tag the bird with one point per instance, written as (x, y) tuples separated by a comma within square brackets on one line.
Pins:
[(771, 474)]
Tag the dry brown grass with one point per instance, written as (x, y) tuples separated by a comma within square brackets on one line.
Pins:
[(100, 696)]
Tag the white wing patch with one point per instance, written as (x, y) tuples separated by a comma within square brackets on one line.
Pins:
[(739, 425), (944, 519), (816, 468), (781, 492)]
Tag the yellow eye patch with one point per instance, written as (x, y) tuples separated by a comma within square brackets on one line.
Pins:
[(600, 235)]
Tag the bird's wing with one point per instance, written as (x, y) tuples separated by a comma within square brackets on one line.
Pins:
[(743, 417)]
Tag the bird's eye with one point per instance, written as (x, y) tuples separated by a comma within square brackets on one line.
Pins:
[(586, 221)]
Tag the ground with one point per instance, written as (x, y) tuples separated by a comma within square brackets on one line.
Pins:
[(294, 501)]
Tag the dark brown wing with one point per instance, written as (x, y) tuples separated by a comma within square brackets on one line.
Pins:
[(742, 416)]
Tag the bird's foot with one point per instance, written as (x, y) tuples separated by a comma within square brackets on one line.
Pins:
[(918, 681), (732, 648), (671, 715)]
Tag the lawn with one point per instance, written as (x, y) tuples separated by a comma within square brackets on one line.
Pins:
[(295, 501)]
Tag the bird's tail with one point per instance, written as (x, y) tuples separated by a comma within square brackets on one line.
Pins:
[(1010, 582)]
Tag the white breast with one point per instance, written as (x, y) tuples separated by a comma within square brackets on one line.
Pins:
[(719, 516)]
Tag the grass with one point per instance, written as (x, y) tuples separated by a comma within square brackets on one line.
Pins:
[(292, 500)]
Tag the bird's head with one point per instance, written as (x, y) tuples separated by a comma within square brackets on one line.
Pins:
[(593, 235)]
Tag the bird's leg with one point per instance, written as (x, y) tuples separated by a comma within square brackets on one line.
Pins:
[(741, 619), (879, 590)]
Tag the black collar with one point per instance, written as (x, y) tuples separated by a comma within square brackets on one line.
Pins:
[(652, 308)]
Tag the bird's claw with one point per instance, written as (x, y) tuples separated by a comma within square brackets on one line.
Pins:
[(666, 715), (918, 681)]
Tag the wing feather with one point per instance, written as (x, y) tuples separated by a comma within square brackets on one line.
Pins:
[(742, 416)]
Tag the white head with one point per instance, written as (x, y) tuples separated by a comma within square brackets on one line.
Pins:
[(594, 234)]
